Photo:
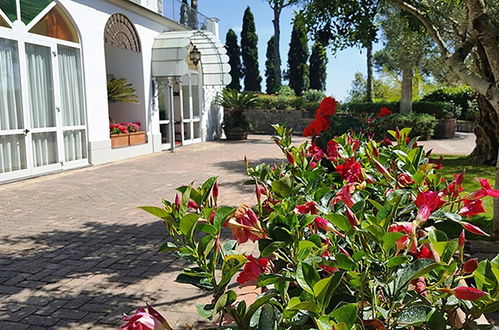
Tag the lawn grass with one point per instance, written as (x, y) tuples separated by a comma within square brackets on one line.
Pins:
[(456, 164)]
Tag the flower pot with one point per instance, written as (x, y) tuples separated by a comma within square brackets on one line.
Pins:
[(236, 133), (137, 138), (119, 140)]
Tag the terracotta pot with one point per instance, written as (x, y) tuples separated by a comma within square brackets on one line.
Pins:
[(236, 133), (119, 140), (137, 138)]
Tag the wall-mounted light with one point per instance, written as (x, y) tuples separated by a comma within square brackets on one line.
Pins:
[(195, 55)]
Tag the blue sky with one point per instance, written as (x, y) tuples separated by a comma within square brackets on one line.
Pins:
[(341, 67)]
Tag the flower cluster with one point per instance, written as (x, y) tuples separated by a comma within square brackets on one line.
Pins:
[(124, 128), (351, 232)]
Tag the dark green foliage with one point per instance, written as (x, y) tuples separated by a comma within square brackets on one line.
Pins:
[(463, 99), (318, 67), (438, 109), (249, 48), (298, 70), (234, 53), (422, 124), (184, 12), (272, 84), (120, 90), (234, 104)]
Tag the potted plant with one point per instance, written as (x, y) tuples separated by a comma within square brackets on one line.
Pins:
[(235, 124), (135, 136), (119, 135)]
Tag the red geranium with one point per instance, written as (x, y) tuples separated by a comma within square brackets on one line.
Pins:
[(383, 112)]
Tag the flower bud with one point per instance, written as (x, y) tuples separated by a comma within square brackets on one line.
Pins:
[(215, 191), (178, 201), (290, 158), (462, 239), (473, 229), (192, 204), (352, 218), (470, 265), (468, 293)]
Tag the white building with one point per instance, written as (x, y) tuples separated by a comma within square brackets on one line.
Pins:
[(56, 58)]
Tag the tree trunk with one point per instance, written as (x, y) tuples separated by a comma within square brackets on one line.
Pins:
[(277, 52), (487, 133), (406, 97), (369, 87)]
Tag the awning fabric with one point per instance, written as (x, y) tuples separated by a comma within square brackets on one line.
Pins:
[(171, 49)]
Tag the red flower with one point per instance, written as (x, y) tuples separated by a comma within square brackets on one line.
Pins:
[(438, 164), (423, 253), (405, 180), (245, 225), (467, 293), (387, 142), (316, 127), (383, 112), (315, 152), (308, 207), (473, 229), (486, 190), (327, 108), (192, 204), (178, 200), (420, 285), (344, 195), (350, 170), (471, 207), (382, 169), (470, 265), (332, 150), (141, 320), (324, 224), (352, 218), (462, 239), (354, 143), (252, 269), (407, 228), (215, 191), (455, 187), (427, 202), (290, 158)]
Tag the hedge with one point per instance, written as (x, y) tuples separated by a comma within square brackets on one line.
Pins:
[(463, 99), (437, 109)]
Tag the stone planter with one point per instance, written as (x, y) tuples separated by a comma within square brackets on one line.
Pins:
[(445, 129), (236, 133), (119, 140), (136, 138), (465, 126)]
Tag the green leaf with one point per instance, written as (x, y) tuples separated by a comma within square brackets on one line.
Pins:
[(221, 216), (205, 246), (306, 276), (282, 187), (225, 300), (397, 261), (205, 311), (305, 306), (306, 245), (339, 221), (324, 323), (187, 224), (436, 320), (414, 315), (255, 305), (205, 283), (186, 195), (491, 307), (268, 317), (414, 270), (206, 228), (271, 248), (344, 262), (167, 247), (206, 188), (450, 249), (324, 289), (389, 240), (345, 314), (156, 211), (231, 265)]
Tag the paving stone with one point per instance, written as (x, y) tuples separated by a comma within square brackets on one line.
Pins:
[(13, 325), (38, 320), (72, 314)]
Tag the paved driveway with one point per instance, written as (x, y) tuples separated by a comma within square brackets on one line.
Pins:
[(75, 252)]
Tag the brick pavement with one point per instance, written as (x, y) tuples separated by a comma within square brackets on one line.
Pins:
[(75, 252)]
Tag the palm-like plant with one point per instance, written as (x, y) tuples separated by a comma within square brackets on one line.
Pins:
[(235, 102), (120, 90)]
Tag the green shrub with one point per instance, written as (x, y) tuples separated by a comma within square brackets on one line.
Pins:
[(283, 102), (313, 95), (311, 106), (265, 102), (463, 100), (423, 125), (286, 91)]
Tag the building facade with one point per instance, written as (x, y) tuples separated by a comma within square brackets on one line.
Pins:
[(56, 58)]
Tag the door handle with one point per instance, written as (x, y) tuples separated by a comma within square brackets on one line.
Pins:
[(26, 131)]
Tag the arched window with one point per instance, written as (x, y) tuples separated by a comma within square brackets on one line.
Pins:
[(56, 24), (121, 33)]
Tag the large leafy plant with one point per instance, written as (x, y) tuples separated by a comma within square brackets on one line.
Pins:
[(347, 239), (235, 102)]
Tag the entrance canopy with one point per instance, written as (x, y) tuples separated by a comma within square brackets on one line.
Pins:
[(170, 56)]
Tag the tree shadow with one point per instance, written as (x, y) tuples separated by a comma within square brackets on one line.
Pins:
[(92, 275)]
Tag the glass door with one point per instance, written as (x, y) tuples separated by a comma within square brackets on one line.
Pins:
[(13, 161), (164, 106), (42, 132), (190, 109)]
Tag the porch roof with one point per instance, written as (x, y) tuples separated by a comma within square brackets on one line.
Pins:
[(170, 56)]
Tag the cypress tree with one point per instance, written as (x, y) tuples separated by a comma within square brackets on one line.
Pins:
[(234, 53), (184, 12), (298, 70), (249, 42), (318, 67), (270, 77)]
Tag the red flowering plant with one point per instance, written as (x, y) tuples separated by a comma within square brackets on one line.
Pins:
[(124, 128), (347, 239)]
